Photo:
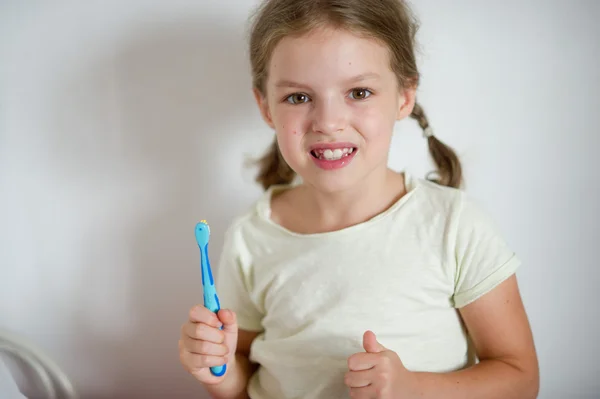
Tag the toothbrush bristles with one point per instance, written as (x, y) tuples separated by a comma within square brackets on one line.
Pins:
[(206, 223)]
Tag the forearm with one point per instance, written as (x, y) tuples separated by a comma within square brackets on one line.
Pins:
[(235, 383), (488, 379)]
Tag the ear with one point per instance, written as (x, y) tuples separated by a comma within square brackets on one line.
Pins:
[(263, 106), (407, 102)]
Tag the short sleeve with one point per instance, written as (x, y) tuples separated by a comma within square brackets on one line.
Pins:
[(234, 282), (483, 258)]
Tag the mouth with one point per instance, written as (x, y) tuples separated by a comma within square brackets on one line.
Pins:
[(333, 156), (333, 153)]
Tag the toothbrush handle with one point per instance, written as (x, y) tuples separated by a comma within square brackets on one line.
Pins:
[(211, 301)]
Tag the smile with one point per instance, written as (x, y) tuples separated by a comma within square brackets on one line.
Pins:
[(333, 156)]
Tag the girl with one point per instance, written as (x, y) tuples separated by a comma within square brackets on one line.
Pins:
[(356, 280)]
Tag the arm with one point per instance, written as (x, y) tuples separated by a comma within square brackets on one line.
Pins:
[(508, 367), (240, 370)]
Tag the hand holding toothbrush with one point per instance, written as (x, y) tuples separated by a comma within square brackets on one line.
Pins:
[(208, 340)]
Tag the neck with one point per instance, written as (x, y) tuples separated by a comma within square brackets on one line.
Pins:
[(338, 210)]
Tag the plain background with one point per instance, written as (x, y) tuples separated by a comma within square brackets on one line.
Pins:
[(123, 123)]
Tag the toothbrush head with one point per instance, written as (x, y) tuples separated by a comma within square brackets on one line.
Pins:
[(202, 233)]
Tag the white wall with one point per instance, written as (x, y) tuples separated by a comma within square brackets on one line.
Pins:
[(122, 123)]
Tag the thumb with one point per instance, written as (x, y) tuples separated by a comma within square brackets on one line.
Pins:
[(229, 320), (371, 344)]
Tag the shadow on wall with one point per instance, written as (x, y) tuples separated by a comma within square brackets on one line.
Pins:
[(179, 93)]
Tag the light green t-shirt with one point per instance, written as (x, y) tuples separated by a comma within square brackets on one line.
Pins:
[(403, 274)]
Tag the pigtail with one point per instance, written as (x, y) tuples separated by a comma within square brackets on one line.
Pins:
[(272, 168), (449, 169)]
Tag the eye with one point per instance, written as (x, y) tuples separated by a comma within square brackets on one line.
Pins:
[(360, 94), (297, 98)]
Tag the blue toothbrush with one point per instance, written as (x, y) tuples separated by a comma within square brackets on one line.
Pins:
[(211, 300)]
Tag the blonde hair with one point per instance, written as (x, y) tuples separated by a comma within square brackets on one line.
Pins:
[(389, 21)]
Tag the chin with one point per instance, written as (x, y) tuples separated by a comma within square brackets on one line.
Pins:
[(331, 182)]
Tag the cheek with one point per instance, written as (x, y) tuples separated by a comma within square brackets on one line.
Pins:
[(290, 142), (288, 119), (374, 123), (289, 128), (291, 151)]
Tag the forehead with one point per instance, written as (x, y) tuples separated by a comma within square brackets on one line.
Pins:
[(328, 55)]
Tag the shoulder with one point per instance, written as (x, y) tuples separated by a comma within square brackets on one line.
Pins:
[(253, 228), (471, 231), (435, 200), (459, 210)]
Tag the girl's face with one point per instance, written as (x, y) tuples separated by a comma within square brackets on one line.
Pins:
[(332, 100)]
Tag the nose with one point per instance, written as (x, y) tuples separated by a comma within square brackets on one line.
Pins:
[(329, 116)]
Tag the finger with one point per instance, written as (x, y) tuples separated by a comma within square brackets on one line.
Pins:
[(363, 361), (200, 314), (367, 392), (358, 379), (229, 320), (203, 332), (370, 343), (204, 347), (194, 361)]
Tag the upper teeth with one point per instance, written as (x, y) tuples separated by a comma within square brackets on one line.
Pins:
[(332, 155)]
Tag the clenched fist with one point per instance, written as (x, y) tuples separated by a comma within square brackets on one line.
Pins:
[(378, 373)]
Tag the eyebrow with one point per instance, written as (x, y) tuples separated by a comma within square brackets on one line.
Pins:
[(354, 79)]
